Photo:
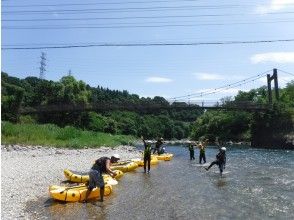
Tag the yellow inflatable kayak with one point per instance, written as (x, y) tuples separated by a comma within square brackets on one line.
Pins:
[(124, 166), (76, 178), (76, 193), (164, 156), (140, 162)]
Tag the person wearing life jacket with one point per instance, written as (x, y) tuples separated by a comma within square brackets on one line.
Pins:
[(147, 154), (202, 147), (220, 160), (102, 165), (191, 149), (158, 144)]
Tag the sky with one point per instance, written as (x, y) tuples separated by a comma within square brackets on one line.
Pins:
[(168, 71)]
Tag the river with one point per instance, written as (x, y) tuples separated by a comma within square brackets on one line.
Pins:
[(257, 184)]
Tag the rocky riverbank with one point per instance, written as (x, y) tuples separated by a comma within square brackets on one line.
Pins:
[(27, 172)]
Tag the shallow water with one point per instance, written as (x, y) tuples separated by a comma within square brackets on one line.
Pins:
[(258, 184)]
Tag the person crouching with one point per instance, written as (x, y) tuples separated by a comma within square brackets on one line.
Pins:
[(102, 165)]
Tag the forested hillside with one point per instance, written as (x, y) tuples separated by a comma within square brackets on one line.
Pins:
[(33, 92), (271, 128)]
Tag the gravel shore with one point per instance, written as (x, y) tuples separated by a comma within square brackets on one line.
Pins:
[(27, 172)]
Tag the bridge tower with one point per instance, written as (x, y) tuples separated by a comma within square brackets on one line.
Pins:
[(269, 86)]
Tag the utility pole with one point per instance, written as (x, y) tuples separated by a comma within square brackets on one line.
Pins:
[(43, 64), (269, 86)]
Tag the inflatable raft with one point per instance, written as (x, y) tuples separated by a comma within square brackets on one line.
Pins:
[(165, 156), (124, 166), (76, 193), (78, 178), (140, 162)]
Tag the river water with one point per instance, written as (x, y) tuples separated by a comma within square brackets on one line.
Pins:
[(257, 184)]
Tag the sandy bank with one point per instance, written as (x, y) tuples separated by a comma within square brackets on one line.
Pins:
[(26, 172)]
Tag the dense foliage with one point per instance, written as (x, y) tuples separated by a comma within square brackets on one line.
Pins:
[(271, 128), (33, 92)]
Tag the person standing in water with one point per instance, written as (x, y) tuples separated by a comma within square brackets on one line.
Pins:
[(158, 144), (147, 154), (220, 160), (102, 165), (191, 149), (202, 147)]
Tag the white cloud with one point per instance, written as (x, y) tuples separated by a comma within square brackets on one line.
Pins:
[(276, 57), (208, 76), (158, 80), (275, 5)]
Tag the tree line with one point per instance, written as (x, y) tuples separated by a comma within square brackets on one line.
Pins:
[(272, 127), (33, 92)]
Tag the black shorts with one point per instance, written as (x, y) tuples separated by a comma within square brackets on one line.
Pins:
[(95, 179)]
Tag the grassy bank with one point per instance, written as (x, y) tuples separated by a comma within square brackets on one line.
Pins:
[(52, 135)]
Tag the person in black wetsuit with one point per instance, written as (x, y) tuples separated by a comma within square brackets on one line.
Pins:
[(102, 165), (191, 149), (220, 160), (147, 154), (158, 144)]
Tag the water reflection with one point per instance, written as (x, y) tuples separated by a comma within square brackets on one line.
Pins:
[(221, 183)]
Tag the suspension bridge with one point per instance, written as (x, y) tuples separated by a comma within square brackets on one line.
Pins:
[(183, 102)]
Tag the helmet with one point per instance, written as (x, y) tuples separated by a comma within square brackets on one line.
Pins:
[(223, 149), (148, 142), (161, 139), (116, 156)]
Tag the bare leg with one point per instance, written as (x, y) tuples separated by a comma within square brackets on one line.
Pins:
[(87, 195), (145, 163)]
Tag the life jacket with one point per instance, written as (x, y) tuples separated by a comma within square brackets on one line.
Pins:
[(147, 151), (191, 147), (158, 144), (100, 164), (221, 156)]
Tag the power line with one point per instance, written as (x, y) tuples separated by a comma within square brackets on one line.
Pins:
[(286, 72), (135, 17), (125, 17), (148, 44), (228, 86), (54, 27), (102, 10), (102, 3), (98, 3)]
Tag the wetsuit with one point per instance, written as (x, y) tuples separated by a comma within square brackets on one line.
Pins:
[(191, 149), (220, 161), (157, 147), (202, 155), (147, 156)]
